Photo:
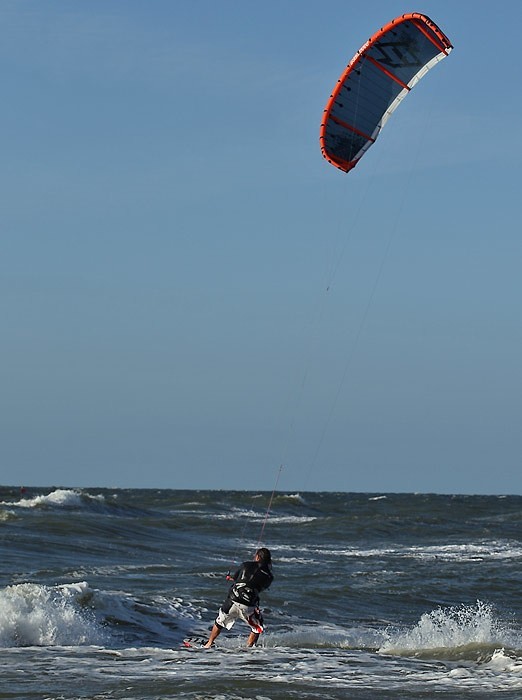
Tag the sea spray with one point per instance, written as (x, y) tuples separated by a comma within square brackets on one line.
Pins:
[(449, 629), (35, 615), (58, 498)]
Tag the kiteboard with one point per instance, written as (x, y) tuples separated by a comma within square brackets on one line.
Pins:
[(194, 642)]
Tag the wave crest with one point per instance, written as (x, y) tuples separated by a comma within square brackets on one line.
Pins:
[(59, 498), (466, 631), (36, 615)]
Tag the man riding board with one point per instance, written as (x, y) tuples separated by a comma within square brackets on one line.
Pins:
[(242, 601)]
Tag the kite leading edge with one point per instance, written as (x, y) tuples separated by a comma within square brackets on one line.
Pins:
[(375, 82)]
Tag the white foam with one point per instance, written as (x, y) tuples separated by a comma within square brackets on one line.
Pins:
[(6, 515), (292, 497), (503, 662), (292, 518), (479, 551), (325, 636), (258, 516), (58, 498), (472, 551), (35, 615), (450, 629)]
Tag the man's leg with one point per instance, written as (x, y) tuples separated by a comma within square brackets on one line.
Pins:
[(252, 639), (213, 635)]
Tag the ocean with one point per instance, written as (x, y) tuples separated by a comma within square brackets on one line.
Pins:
[(405, 596)]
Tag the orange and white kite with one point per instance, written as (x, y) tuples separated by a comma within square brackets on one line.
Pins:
[(375, 82)]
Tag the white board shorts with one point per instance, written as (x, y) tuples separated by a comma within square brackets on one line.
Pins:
[(238, 611)]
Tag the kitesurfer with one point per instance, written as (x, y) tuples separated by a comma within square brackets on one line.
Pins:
[(242, 601)]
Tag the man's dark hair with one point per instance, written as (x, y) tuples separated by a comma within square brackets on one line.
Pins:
[(264, 555)]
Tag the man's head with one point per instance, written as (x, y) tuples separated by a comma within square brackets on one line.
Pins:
[(263, 556)]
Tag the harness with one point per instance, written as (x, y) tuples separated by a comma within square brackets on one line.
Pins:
[(242, 593)]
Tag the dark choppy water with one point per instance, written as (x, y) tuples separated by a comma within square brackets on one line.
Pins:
[(396, 596)]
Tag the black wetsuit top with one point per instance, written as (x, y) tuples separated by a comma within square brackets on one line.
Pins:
[(250, 579)]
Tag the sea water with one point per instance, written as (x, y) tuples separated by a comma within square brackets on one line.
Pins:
[(375, 595)]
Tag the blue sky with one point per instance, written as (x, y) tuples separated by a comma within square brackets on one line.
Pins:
[(190, 295)]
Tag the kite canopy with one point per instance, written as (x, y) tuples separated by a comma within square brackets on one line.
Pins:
[(375, 82)]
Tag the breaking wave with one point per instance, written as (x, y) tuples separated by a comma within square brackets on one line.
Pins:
[(35, 615), (59, 498), (471, 632)]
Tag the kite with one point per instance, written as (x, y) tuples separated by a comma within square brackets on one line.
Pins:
[(375, 82)]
